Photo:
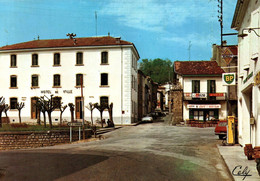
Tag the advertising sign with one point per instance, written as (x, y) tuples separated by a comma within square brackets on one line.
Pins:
[(199, 95), (204, 106), (229, 79)]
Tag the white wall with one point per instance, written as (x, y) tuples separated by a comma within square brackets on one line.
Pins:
[(248, 52), (119, 78)]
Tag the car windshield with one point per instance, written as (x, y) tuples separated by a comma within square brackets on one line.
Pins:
[(222, 124)]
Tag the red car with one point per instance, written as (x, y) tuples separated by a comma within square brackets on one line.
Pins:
[(221, 129)]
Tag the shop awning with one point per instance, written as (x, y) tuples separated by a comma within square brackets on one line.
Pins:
[(204, 106)]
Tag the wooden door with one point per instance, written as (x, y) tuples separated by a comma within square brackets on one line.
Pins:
[(78, 111), (33, 108)]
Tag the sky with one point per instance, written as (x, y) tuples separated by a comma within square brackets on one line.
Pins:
[(166, 29)]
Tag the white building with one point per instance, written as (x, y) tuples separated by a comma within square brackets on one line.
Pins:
[(107, 65), (246, 22), (204, 96)]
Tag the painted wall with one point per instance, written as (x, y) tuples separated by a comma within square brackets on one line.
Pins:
[(120, 69), (248, 53)]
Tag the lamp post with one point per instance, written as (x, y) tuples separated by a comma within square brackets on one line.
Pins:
[(82, 107)]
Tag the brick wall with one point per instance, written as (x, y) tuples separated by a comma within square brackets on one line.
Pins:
[(19, 140)]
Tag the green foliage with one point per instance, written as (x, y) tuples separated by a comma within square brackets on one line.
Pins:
[(161, 71)]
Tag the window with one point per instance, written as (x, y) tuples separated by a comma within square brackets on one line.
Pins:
[(13, 103), (35, 81), (56, 59), (211, 88), (104, 100), (13, 81), (104, 58), (56, 102), (13, 61), (195, 86), (56, 80), (79, 77), (35, 60), (104, 79), (79, 60)]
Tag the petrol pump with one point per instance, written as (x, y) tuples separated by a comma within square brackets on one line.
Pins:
[(231, 130)]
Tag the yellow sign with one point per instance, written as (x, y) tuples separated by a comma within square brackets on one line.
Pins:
[(257, 78)]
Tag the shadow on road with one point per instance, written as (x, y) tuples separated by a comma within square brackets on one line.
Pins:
[(34, 166)]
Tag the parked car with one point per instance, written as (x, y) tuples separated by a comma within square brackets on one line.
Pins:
[(147, 118), (221, 129)]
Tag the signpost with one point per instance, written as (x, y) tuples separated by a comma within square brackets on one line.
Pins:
[(229, 79), (74, 124)]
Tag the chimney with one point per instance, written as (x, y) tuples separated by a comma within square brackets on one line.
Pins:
[(118, 39)]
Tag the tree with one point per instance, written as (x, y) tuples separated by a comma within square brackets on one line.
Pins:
[(41, 105), (62, 109), (2, 107), (72, 108), (48, 106), (110, 111), (7, 107), (91, 107), (101, 108), (161, 71), (19, 107)]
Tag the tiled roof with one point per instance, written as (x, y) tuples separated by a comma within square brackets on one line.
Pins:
[(55, 43), (197, 68)]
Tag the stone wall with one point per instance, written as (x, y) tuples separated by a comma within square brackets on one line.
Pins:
[(21, 140), (176, 103)]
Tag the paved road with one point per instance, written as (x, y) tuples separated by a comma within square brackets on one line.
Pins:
[(144, 152)]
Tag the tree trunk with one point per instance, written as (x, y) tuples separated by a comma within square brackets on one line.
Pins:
[(38, 117), (91, 118), (0, 119), (60, 118), (20, 120), (101, 116), (44, 119), (49, 116), (72, 116)]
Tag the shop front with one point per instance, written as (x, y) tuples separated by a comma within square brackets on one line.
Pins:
[(204, 112)]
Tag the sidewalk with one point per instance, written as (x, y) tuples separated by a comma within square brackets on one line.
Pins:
[(238, 164)]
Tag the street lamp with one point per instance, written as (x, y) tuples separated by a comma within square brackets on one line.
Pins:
[(242, 35)]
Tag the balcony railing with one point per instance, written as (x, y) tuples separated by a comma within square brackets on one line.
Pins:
[(219, 96)]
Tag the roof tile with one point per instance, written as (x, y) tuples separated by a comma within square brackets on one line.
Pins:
[(197, 68), (54, 43)]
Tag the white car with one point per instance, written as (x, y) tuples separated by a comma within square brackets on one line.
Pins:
[(147, 118)]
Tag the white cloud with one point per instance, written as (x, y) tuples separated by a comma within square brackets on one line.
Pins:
[(196, 39), (155, 15)]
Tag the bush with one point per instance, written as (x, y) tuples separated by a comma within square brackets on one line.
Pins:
[(19, 125)]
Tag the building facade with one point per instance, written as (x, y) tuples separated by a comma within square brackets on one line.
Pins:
[(106, 67), (204, 96), (147, 95), (226, 57), (246, 21)]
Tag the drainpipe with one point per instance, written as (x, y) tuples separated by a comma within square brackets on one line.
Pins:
[(121, 84)]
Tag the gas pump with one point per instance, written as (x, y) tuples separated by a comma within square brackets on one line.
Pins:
[(231, 130)]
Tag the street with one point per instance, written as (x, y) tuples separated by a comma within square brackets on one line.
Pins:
[(153, 151)]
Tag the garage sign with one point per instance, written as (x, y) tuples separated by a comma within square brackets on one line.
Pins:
[(229, 79)]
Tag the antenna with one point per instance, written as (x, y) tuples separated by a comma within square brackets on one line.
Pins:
[(189, 49), (96, 21)]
